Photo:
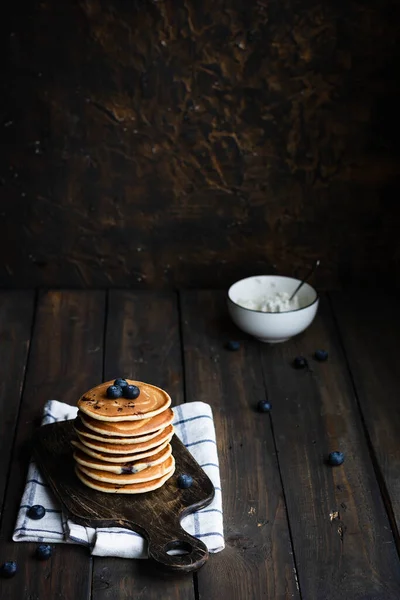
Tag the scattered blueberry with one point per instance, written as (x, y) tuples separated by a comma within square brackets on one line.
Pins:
[(232, 345), (36, 512), (185, 481), (8, 569), (335, 459), (114, 391), (121, 383), (131, 391), (300, 362), (321, 355), (43, 552), (263, 406)]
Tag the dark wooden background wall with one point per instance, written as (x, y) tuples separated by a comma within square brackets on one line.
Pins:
[(187, 143)]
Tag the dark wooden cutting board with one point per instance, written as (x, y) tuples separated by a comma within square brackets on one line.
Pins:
[(156, 515)]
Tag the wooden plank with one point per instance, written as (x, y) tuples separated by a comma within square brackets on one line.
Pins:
[(16, 314), (371, 338), (142, 342), (315, 412), (257, 561), (65, 360)]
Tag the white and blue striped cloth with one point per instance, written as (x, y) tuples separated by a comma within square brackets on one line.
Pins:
[(194, 425)]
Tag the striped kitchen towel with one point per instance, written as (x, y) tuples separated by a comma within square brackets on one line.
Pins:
[(194, 426)]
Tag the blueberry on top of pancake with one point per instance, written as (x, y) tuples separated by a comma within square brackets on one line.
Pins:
[(150, 402)]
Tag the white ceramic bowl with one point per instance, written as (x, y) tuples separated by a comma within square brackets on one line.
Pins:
[(267, 326)]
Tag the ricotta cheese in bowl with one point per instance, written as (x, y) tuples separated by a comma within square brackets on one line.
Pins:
[(260, 306), (272, 303)]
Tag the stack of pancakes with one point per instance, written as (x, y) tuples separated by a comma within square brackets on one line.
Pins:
[(123, 445)]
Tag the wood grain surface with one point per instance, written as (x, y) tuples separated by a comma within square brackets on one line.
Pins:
[(65, 358), (342, 538), (156, 515), (165, 137), (16, 320), (370, 333), (294, 527), (258, 560), (143, 342)]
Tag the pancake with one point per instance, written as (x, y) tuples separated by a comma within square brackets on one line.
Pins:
[(128, 428), (118, 459), (82, 430), (108, 448), (151, 402), (134, 466), (149, 474), (133, 488), (115, 427)]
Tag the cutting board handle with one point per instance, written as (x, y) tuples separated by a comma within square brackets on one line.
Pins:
[(194, 553)]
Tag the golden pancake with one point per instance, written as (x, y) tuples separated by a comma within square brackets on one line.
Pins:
[(115, 427), (149, 474), (133, 488), (82, 430), (128, 428), (128, 467), (151, 402), (108, 448), (119, 459)]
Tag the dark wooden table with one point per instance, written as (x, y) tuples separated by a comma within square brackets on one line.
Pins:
[(294, 527)]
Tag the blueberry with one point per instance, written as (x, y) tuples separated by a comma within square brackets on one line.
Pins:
[(232, 345), (321, 355), (185, 481), (300, 362), (263, 406), (114, 391), (335, 459), (126, 470), (121, 383), (43, 552), (131, 392), (36, 512), (8, 569)]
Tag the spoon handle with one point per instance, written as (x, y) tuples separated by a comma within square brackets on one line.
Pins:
[(310, 272)]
